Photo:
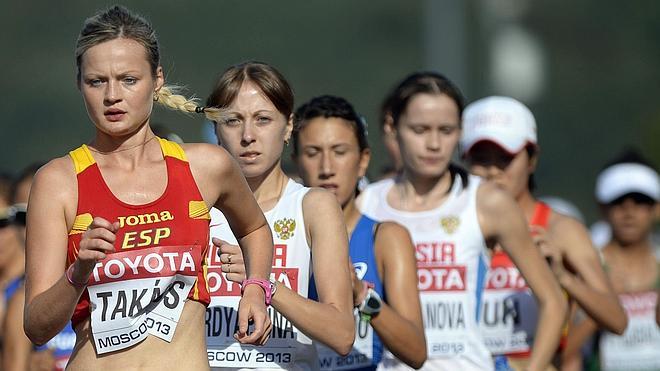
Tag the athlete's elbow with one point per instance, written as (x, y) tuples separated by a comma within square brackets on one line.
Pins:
[(344, 342), (420, 357), (621, 323), (35, 334), (415, 354), (38, 334), (418, 361), (417, 364), (345, 346)]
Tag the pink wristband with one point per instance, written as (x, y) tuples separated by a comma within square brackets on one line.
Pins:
[(69, 277), (267, 285)]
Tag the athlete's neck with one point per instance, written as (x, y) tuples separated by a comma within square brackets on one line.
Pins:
[(127, 149), (268, 187), (639, 250), (416, 192), (527, 203), (351, 215)]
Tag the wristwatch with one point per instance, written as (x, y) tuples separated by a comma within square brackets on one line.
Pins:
[(269, 286), (371, 305)]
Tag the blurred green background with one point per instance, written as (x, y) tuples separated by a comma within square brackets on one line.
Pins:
[(589, 70)]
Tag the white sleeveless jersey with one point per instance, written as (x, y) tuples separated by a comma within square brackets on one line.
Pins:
[(638, 348), (452, 262), (287, 348)]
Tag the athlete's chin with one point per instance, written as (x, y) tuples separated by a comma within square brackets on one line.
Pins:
[(431, 171), (629, 235), (117, 129), (252, 170)]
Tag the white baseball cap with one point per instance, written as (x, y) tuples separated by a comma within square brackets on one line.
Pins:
[(622, 179), (500, 120)]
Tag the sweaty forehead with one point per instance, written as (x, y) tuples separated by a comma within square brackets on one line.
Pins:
[(250, 99)]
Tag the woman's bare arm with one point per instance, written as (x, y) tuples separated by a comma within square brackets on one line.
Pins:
[(399, 323), (49, 298), (589, 286), (223, 185), (330, 320), (502, 220)]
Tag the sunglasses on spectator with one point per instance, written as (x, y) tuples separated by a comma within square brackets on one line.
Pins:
[(15, 214)]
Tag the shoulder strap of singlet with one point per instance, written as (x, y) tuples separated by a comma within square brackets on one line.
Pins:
[(172, 149), (541, 215), (376, 227), (82, 158)]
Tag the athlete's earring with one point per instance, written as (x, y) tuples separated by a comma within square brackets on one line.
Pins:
[(155, 96), (286, 142)]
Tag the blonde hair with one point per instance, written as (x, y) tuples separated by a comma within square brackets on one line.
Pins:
[(170, 97)]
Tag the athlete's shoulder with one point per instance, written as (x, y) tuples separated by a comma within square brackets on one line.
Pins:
[(318, 197), (491, 197), (205, 158), (569, 231), (57, 171), (392, 232), (203, 152), (565, 222), (54, 181)]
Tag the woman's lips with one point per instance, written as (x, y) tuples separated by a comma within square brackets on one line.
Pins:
[(249, 155), (329, 186), (114, 115)]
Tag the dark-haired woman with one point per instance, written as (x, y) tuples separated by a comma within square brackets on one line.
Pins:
[(331, 149), (453, 219)]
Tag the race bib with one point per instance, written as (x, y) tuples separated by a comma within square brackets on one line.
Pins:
[(136, 293), (502, 324), (361, 355), (509, 312), (443, 299)]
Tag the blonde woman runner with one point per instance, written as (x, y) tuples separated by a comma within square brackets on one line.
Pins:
[(118, 229)]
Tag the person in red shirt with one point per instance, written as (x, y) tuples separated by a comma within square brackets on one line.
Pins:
[(133, 210)]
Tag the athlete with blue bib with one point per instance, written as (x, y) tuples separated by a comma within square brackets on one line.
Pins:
[(331, 150)]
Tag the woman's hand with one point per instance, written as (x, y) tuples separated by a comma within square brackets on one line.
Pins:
[(96, 243), (231, 258), (252, 311), (549, 250)]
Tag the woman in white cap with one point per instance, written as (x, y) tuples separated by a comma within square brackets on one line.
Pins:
[(453, 220), (500, 144), (628, 191)]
